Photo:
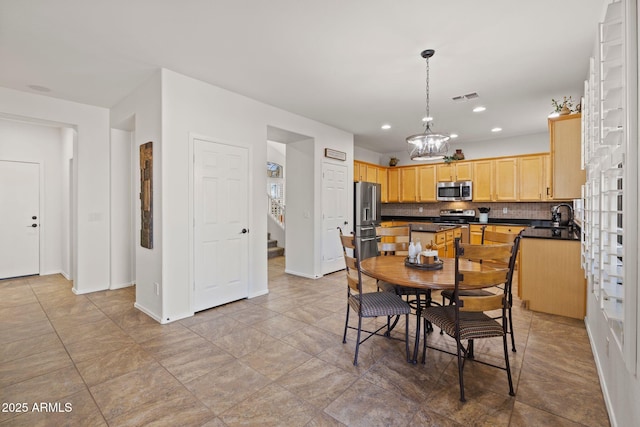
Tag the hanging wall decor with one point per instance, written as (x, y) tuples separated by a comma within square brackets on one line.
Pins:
[(146, 195)]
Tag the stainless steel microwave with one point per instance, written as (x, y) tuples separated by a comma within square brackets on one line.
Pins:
[(454, 191)]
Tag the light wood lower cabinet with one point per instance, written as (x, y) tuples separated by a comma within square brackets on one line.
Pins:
[(550, 277)]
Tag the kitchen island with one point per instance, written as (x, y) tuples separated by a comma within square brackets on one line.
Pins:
[(550, 275)]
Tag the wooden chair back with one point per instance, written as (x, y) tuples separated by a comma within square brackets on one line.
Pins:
[(488, 275), (350, 252), (495, 237), (393, 240)]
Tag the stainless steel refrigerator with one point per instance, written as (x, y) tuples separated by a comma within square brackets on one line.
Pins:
[(366, 217)]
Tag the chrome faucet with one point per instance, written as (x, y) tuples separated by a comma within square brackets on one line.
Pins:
[(556, 216)]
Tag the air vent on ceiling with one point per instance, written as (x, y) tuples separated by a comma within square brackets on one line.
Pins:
[(472, 95)]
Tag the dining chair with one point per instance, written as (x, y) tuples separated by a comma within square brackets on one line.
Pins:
[(394, 241), (473, 318), (493, 237), (368, 304)]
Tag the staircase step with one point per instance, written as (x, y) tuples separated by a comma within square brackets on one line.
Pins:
[(272, 243), (275, 252)]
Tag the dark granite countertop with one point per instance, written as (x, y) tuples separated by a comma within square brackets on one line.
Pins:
[(559, 233)]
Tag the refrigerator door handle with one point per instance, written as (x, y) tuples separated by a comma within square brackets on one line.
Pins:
[(366, 228), (368, 239)]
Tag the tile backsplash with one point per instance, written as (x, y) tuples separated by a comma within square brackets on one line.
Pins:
[(520, 210)]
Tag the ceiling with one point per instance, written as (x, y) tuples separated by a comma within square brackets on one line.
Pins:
[(352, 64)]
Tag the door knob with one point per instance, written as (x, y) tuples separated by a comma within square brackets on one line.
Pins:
[(34, 217), (244, 231), (34, 225)]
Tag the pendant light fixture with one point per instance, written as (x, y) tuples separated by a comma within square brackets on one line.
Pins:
[(428, 145)]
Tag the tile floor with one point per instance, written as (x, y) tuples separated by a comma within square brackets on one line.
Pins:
[(273, 360)]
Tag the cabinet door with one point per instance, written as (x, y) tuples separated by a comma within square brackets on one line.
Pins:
[(531, 185), (464, 171), (408, 184), (506, 188), (427, 183), (393, 182), (566, 164), (483, 182), (445, 172), (382, 180), (372, 173), (475, 234)]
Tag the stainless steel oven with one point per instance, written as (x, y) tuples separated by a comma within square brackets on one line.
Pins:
[(454, 191)]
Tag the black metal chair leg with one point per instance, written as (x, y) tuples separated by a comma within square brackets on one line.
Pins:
[(513, 340), (460, 369), (346, 325), (508, 367), (355, 359)]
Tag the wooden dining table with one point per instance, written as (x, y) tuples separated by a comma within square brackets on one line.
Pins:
[(392, 269)]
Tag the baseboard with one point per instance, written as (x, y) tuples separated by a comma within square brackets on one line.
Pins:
[(121, 285), (259, 294), (148, 312), (603, 383), (296, 273)]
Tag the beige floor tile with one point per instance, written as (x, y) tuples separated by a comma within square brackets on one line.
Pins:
[(365, 404), (195, 361), (272, 406), (253, 314), (29, 346), (312, 340), (130, 391), (274, 358), (172, 341), (317, 382), (9, 333), (98, 345), (243, 341), (279, 326), (226, 386), (113, 364), (78, 409), (525, 415), (51, 387), (177, 408), (34, 365)]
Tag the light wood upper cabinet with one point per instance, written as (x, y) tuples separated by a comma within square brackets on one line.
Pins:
[(382, 180), (565, 139), (506, 188), (462, 171), (532, 179), (393, 185), (483, 183), (409, 184), (372, 174), (427, 183)]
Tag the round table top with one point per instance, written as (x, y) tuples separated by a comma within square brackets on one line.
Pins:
[(393, 270)]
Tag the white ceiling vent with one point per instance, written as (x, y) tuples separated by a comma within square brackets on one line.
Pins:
[(472, 95)]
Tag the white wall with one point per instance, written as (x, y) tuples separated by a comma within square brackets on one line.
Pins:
[(369, 156), (191, 107), (122, 197), (68, 138), (91, 186), (525, 144), (300, 208), (141, 113), (41, 144)]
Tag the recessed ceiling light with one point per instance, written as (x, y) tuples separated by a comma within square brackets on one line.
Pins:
[(427, 119), (479, 109), (454, 135), (39, 88), (496, 130), (385, 126)]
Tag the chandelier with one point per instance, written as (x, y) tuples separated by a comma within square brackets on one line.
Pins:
[(428, 145)]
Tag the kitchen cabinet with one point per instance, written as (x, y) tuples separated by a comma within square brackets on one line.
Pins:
[(455, 171), (409, 184), (550, 277), (427, 183), (475, 234), (566, 163), (483, 182), (505, 183), (393, 185), (368, 172), (475, 231), (532, 182)]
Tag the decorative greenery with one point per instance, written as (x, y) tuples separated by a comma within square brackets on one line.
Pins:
[(449, 159), (565, 102)]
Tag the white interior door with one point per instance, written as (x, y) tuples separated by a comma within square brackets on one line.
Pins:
[(19, 219), (221, 219), (334, 214)]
